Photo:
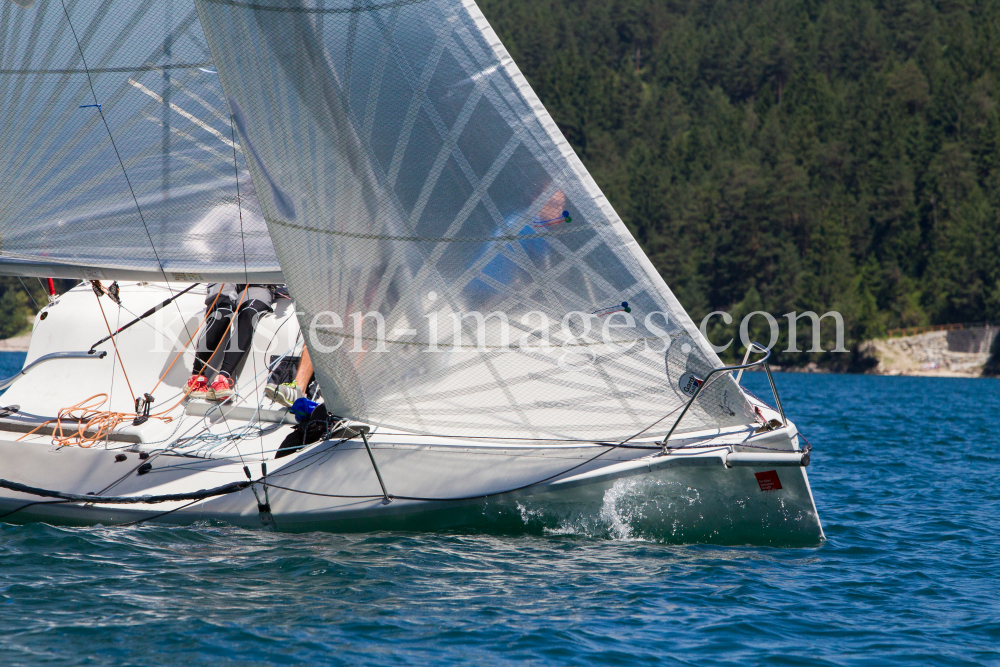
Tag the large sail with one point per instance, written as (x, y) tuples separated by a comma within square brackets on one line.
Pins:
[(117, 153), (458, 270)]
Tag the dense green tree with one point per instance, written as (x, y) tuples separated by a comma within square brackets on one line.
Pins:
[(16, 307), (786, 155), (781, 155)]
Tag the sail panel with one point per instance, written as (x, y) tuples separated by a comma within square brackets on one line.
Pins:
[(170, 194), (456, 268)]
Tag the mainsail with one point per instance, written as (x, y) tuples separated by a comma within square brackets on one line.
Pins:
[(117, 152), (457, 267)]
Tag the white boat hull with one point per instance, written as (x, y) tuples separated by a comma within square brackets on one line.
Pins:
[(689, 496), (705, 488)]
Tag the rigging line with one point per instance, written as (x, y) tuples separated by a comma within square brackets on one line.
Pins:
[(570, 441), (37, 307), (36, 502), (128, 181), (90, 419), (139, 318), (610, 447), (111, 390), (117, 354), (222, 407), (246, 275), (710, 383), (476, 497), (161, 514)]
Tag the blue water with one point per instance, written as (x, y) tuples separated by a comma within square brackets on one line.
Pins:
[(905, 473)]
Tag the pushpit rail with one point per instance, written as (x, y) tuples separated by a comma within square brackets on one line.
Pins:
[(755, 347), (51, 357)]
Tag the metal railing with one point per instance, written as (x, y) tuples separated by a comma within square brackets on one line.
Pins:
[(51, 357), (755, 347)]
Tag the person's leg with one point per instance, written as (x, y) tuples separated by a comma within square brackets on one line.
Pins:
[(212, 338), (207, 354), (239, 346)]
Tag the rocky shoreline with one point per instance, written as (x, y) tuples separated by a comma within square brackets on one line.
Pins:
[(959, 353), (15, 344)]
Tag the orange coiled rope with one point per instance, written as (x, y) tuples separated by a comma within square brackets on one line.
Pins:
[(94, 425)]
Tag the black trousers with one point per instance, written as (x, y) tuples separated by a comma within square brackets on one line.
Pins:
[(223, 350)]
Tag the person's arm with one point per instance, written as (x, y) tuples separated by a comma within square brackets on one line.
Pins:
[(305, 369)]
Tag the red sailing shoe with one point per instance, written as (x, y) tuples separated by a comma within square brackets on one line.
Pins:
[(197, 387), (223, 388)]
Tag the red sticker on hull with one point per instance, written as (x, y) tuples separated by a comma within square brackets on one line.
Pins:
[(768, 481)]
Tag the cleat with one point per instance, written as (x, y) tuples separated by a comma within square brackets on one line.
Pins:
[(197, 387), (223, 388)]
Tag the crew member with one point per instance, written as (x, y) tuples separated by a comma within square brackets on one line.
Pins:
[(228, 336)]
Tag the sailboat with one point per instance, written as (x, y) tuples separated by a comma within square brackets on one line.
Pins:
[(486, 332)]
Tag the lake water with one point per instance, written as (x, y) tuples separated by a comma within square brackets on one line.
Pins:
[(906, 475)]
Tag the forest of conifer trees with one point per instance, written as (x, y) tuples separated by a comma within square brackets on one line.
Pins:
[(787, 155), (779, 155)]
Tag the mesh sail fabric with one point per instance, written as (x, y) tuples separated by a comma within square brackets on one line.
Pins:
[(457, 269), (64, 198)]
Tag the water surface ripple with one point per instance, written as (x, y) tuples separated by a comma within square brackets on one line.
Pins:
[(905, 475)]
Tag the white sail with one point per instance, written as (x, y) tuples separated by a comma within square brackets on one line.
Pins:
[(406, 168), (169, 197)]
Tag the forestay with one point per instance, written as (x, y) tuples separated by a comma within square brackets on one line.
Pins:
[(439, 233), (164, 192)]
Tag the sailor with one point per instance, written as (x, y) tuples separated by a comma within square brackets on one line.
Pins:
[(228, 335), (289, 392)]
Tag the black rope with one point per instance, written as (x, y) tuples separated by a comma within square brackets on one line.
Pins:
[(146, 314), (37, 502), (232, 487), (157, 516), (463, 498)]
